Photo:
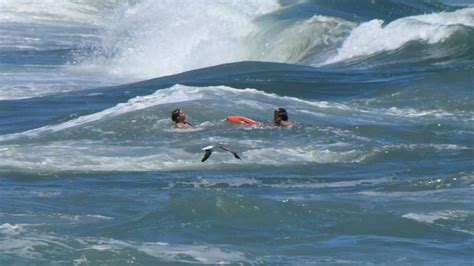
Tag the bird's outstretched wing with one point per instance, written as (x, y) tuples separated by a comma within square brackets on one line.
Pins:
[(236, 156), (209, 149)]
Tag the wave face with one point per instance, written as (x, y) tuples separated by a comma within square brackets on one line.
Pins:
[(152, 38), (379, 160), (426, 29), (101, 43), (138, 44)]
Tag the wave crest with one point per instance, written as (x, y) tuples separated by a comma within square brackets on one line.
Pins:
[(160, 38), (373, 37)]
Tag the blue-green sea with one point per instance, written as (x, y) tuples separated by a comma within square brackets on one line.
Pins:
[(378, 168)]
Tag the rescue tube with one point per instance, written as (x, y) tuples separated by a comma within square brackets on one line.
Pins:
[(241, 120)]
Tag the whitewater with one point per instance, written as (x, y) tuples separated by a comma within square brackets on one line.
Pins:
[(377, 169)]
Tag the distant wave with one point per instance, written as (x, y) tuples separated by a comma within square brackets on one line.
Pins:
[(149, 40), (146, 39), (373, 37), (87, 12)]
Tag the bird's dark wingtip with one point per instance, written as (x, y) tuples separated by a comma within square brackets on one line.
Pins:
[(207, 154)]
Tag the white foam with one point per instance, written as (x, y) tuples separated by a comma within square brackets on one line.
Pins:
[(207, 182), (31, 154), (197, 253), (33, 243), (19, 247), (97, 157), (180, 94), (372, 37), (337, 184), (426, 218), (30, 244), (169, 252), (401, 194), (302, 155), (75, 156), (48, 194), (81, 261), (376, 115), (463, 231), (53, 11), (174, 94), (417, 147), (428, 114), (432, 217), (81, 218), (10, 229), (156, 38)]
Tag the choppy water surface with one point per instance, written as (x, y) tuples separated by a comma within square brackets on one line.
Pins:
[(378, 168)]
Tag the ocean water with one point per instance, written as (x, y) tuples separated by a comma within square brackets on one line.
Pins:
[(378, 169)]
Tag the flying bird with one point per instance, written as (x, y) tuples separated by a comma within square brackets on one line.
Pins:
[(209, 149)]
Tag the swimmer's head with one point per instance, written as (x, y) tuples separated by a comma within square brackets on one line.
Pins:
[(176, 114), (280, 114)]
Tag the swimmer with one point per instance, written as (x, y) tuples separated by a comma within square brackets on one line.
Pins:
[(280, 118), (179, 117)]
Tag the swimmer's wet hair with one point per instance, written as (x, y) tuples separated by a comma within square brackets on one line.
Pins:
[(280, 114), (175, 114)]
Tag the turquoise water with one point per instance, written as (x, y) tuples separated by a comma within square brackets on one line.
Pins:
[(378, 168)]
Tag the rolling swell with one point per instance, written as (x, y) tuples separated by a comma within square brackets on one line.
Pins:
[(283, 79), (440, 35), (347, 130), (364, 10), (457, 50)]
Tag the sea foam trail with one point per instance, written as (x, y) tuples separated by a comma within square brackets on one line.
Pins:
[(172, 95), (373, 37), (106, 141), (251, 99), (83, 144)]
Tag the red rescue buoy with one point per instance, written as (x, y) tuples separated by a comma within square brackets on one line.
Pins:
[(241, 120)]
